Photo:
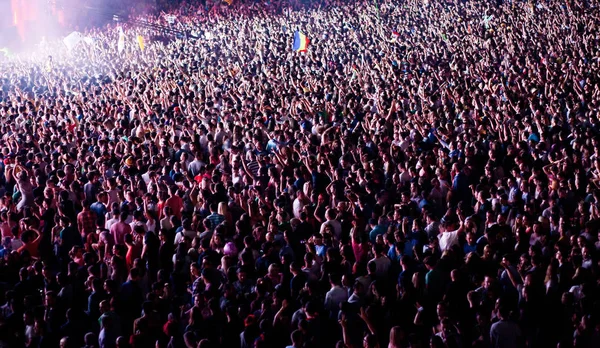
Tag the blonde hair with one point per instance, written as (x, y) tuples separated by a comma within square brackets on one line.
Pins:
[(222, 208), (395, 337)]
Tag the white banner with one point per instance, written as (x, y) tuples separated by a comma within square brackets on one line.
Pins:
[(72, 40), (121, 41)]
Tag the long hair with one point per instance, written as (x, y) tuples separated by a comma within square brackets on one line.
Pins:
[(396, 334), (222, 209)]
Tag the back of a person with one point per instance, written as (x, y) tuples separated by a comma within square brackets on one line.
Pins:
[(5, 229), (505, 334), (383, 264), (176, 204), (119, 230), (106, 339), (70, 237)]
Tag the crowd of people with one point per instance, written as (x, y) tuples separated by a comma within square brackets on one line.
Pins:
[(425, 174)]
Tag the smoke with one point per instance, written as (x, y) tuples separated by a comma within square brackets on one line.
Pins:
[(24, 24)]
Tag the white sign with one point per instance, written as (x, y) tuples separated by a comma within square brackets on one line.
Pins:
[(170, 19)]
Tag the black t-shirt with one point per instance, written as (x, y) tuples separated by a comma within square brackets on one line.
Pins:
[(297, 284), (165, 256), (152, 248)]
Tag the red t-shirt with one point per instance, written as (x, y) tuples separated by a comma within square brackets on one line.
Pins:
[(176, 204)]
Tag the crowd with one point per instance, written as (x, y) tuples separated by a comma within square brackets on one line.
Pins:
[(425, 174)]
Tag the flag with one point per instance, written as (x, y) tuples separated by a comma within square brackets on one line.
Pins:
[(486, 20), (229, 2), (5, 51), (300, 42), (121, 41), (140, 40), (72, 40), (324, 115), (170, 19)]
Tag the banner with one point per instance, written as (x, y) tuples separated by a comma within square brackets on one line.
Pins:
[(140, 40), (121, 41), (72, 40)]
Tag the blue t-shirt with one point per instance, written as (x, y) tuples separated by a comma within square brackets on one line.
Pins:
[(379, 229)]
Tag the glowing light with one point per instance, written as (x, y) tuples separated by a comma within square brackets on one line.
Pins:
[(61, 18), (14, 8)]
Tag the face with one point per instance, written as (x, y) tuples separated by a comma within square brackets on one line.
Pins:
[(48, 300), (470, 238), (487, 282), (585, 253), (501, 219), (193, 271), (487, 252)]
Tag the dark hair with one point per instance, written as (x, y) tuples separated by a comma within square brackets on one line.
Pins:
[(134, 273), (335, 278)]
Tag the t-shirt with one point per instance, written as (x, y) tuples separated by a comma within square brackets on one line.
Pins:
[(504, 334), (382, 266), (379, 229), (176, 204), (435, 283), (448, 240), (69, 238)]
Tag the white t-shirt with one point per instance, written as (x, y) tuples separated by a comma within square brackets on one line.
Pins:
[(108, 224), (335, 225), (448, 240), (297, 207), (179, 236)]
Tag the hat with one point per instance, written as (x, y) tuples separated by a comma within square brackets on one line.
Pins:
[(129, 161)]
